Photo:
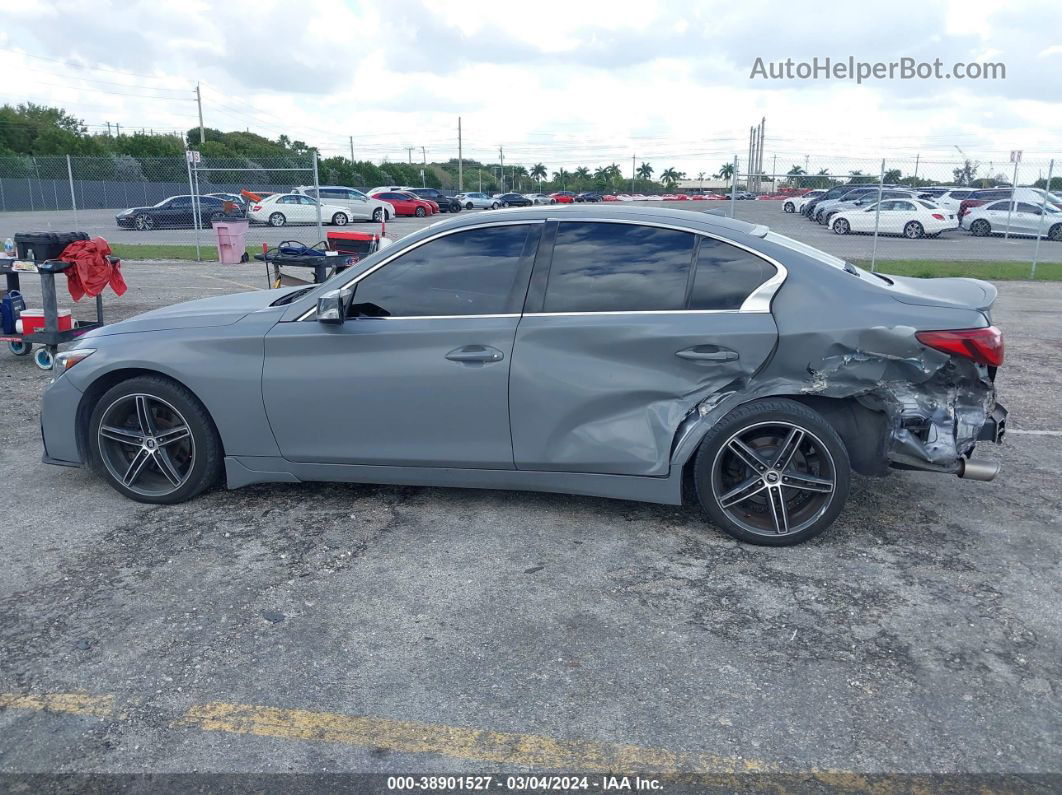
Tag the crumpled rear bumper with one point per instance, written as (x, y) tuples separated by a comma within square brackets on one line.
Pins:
[(995, 426)]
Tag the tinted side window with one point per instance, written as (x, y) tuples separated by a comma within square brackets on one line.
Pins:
[(726, 275), (1025, 207), (605, 267), (466, 273), (999, 206)]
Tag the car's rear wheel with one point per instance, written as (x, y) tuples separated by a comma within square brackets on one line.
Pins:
[(144, 222), (339, 219), (455, 207), (153, 441), (1055, 232), (277, 219), (788, 207), (468, 205), (772, 472), (494, 206), (841, 226), (420, 212), (913, 230), (981, 228)]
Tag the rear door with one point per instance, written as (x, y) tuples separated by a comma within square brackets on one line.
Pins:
[(626, 329)]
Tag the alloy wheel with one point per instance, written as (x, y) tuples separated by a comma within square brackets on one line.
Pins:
[(913, 230), (1055, 232), (774, 478), (146, 445), (144, 223), (841, 226)]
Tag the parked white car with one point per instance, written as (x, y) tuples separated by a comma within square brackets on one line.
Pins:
[(1020, 218), (912, 218), (476, 199), (361, 207), (796, 203), (540, 198), (294, 208)]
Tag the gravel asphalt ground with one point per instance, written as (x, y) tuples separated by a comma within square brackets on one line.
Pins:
[(363, 628)]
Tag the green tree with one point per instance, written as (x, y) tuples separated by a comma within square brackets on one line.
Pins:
[(538, 173), (645, 171), (670, 177), (726, 171)]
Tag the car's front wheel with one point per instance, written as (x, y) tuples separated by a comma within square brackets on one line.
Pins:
[(277, 219), (788, 207), (772, 472), (913, 230), (153, 441), (494, 206), (144, 223), (378, 214), (469, 205), (420, 212), (841, 226), (1055, 232), (339, 219), (981, 228)]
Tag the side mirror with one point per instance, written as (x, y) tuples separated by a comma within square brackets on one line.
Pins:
[(332, 306)]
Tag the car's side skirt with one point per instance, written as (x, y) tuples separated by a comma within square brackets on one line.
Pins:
[(243, 471)]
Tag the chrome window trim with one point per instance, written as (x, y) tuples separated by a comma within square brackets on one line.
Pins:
[(428, 317), (757, 302)]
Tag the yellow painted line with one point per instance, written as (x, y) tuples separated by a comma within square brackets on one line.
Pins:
[(532, 750), (229, 281), (75, 703)]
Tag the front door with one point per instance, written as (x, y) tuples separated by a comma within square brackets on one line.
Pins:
[(635, 327), (418, 375)]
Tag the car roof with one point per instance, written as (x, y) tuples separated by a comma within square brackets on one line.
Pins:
[(689, 219)]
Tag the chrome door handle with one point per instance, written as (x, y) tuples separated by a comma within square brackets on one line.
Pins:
[(708, 353), (475, 354)]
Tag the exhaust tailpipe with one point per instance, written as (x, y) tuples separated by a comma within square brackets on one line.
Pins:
[(978, 470)]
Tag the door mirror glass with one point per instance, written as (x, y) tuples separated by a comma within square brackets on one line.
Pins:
[(332, 306)]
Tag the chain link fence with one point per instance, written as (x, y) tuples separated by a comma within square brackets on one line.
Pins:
[(93, 194), (911, 209)]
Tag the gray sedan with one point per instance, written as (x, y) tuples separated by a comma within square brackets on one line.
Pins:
[(635, 353)]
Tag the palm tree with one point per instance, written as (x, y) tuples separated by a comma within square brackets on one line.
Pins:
[(538, 173), (561, 177), (726, 171), (793, 173), (518, 173), (670, 177), (700, 178), (645, 171)]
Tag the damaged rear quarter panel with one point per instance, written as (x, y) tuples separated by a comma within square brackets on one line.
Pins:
[(842, 336)]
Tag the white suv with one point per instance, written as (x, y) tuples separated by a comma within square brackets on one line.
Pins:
[(362, 207)]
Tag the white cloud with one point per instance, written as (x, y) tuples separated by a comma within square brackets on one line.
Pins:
[(562, 83)]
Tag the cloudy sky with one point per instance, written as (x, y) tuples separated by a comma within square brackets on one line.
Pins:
[(564, 83)]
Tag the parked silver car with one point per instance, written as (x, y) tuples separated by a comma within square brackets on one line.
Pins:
[(637, 353), (476, 199), (1020, 218)]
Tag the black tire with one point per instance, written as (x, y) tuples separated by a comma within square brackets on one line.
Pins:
[(913, 230), (420, 212), (277, 219), (494, 206), (818, 460), (841, 226), (144, 223), (468, 205), (455, 207), (196, 458), (980, 228), (788, 207), (378, 214), (1055, 232), (339, 219), (505, 204)]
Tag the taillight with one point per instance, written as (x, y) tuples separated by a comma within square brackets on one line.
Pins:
[(257, 208), (981, 345), (938, 216)]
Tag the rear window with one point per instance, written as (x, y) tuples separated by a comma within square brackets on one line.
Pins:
[(608, 267), (726, 275)]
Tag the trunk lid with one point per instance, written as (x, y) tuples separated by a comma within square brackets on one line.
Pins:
[(961, 293)]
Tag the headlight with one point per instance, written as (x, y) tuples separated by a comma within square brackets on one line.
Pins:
[(64, 361)]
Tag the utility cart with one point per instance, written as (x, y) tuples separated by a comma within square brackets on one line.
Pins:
[(55, 329), (319, 259)]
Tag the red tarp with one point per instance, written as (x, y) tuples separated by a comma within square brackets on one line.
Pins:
[(92, 270)]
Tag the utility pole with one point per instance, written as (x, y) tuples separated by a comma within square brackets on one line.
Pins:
[(759, 168), (774, 171), (460, 166), (501, 157), (108, 129), (117, 130), (424, 170), (919, 155), (633, 158), (199, 102), (351, 150), (409, 151), (752, 152)]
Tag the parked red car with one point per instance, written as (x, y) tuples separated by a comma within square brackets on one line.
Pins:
[(608, 197), (669, 197), (681, 197), (563, 197), (407, 203)]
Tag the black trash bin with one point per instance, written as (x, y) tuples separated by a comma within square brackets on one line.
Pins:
[(44, 245)]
